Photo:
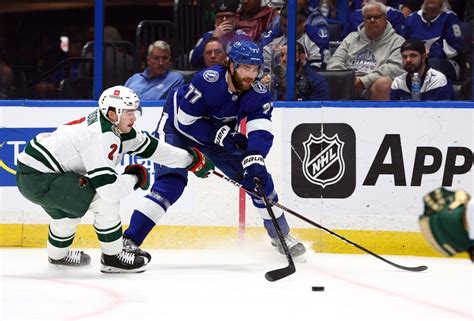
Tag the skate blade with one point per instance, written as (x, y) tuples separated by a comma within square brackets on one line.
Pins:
[(114, 270)]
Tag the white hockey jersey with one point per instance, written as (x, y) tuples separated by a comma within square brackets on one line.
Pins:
[(92, 146)]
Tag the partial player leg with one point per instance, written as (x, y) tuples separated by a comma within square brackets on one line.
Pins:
[(108, 227), (296, 248), (231, 166), (167, 188), (60, 237), (66, 198)]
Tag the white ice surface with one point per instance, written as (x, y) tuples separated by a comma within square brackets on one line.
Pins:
[(229, 284)]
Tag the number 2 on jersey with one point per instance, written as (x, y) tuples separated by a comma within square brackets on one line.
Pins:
[(111, 154)]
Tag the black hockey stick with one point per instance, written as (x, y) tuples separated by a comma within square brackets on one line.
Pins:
[(307, 220), (278, 274)]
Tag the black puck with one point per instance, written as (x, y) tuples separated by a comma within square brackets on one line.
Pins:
[(317, 288)]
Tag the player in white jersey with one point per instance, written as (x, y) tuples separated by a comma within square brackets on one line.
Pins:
[(448, 222), (72, 170)]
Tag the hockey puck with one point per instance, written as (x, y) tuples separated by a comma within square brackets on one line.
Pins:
[(317, 288)]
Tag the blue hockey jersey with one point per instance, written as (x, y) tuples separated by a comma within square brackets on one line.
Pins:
[(200, 108), (317, 29), (434, 86), (442, 35)]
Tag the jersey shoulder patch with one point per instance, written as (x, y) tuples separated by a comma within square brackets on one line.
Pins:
[(210, 75), (259, 87)]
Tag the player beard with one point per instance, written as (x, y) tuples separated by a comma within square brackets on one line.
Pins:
[(239, 82)]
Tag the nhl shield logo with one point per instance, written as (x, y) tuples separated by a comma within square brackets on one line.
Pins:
[(323, 163)]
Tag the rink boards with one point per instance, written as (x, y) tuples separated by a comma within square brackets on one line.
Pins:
[(360, 169)]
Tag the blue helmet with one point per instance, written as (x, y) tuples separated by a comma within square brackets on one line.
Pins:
[(246, 52)]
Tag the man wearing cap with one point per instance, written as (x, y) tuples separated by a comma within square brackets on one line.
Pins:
[(434, 84), (225, 31)]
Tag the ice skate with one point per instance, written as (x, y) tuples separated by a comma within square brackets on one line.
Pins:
[(131, 247), (296, 248), (73, 258), (124, 262)]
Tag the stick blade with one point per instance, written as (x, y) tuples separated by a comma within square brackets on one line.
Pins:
[(279, 274)]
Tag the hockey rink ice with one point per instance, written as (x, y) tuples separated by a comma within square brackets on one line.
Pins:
[(229, 284)]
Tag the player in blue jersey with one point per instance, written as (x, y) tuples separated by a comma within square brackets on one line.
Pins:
[(206, 113), (439, 29)]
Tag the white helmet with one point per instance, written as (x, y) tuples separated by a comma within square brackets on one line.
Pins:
[(120, 98)]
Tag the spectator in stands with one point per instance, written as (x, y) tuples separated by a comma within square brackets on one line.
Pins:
[(439, 29), (434, 85), (394, 16), (57, 65), (271, 52), (119, 65), (6, 77), (254, 19), (309, 84), (225, 31), (316, 27), (156, 80), (373, 52), (334, 11), (214, 52), (410, 6)]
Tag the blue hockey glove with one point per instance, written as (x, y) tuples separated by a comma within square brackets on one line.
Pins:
[(230, 139), (254, 166)]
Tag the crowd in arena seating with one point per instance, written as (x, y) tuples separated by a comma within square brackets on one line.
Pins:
[(366, 36)]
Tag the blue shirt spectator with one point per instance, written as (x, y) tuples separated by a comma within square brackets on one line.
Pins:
[(441, 32), (316, 27), (156, 80)]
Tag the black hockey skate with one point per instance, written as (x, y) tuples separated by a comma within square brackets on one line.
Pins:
[(296, 248), (131, 247), (124, 262), (73, 258)]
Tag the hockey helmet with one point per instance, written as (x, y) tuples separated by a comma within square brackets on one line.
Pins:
[(246, 52), (121, 98)]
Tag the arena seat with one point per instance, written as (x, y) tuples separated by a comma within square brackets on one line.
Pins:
[(340, 82)]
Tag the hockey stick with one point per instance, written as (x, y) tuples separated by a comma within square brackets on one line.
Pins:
[(278, 274), (301, 217)]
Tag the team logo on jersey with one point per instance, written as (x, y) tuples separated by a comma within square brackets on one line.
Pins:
[(259, 87), (115, 130), (83, 182), (320, 154), (211, 75), (322, 33)]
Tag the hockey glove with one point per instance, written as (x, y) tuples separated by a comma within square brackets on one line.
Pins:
[(201, 165), (443, 221), (230, 139), (254, 166), (141, 173)]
